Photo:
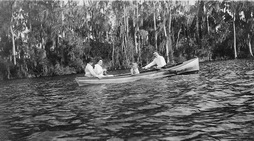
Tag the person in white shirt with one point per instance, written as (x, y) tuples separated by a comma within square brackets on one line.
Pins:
[(89, 71), (98, 68), (158, 60)]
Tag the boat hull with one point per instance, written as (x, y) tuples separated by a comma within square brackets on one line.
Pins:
[(185, 67)]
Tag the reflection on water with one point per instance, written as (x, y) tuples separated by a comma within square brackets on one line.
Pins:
[(216, 104)]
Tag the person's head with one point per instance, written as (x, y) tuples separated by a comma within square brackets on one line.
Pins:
[(89, 60), (99, 61), (155, 54)]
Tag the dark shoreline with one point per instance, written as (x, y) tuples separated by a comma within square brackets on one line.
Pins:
[(126, 70)]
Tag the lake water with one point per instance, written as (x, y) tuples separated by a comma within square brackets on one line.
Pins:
[(216, 104)]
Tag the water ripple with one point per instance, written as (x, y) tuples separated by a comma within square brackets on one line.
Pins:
[(216, 104)]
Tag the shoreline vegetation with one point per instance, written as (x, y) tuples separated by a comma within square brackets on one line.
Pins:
[(247, 63), (54, 37)]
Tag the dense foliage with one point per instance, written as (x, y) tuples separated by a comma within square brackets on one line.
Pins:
[(46, 38)]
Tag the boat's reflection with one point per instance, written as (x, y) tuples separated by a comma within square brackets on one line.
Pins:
[(97, 88), (97, 98)]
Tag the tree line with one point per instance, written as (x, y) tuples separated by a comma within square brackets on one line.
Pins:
[(52, 37)]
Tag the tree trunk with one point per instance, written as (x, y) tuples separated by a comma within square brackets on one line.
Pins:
[(170, 49), (166, 36), (126, 34), (207, 21), (178, 37), (249, 42), (13, 46), (234, 37), (13, 35), (200, 13), (113, 54), (124, 38), (139, 52), (62, 14), (63, 35), (197, 31), (135, 25), (154, 24), (137, 36)]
